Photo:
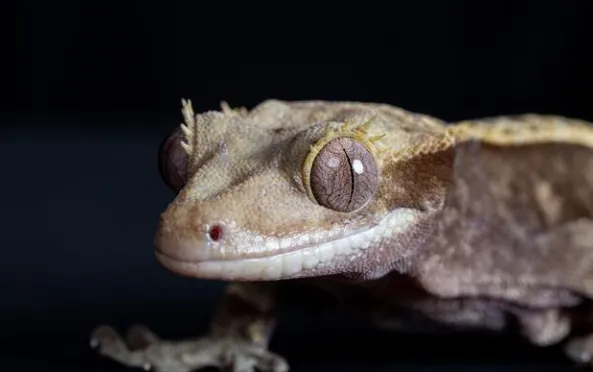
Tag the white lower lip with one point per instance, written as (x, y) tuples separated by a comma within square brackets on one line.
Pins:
[(299, 263), (282, 266)]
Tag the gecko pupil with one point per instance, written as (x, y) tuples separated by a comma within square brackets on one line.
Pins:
[(215, 232)]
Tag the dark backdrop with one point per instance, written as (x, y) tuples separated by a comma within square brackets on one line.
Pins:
[(90, 88)]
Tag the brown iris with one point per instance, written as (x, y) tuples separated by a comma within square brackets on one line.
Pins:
[(344, 175)]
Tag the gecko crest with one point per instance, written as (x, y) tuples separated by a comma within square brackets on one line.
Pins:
[(536, 129), (188, 127), (439, 143), (227, 110)]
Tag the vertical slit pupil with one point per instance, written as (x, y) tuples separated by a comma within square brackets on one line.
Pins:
[(215, 232)]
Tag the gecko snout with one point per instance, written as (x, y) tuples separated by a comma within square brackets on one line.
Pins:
[(183, 235)]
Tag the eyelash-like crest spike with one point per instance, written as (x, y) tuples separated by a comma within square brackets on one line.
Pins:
[(346, 126), (375, 139), (364, 127), (227, 110), (188, 126)]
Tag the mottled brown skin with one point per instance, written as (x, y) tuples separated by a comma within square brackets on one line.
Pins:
[(484, 224), (534, 206)]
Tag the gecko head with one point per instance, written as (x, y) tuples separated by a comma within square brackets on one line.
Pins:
[(300, 189)]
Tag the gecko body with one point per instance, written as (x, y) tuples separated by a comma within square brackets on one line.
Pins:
[(465, 224)]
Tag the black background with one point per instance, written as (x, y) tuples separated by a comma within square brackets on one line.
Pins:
[(90, 88)]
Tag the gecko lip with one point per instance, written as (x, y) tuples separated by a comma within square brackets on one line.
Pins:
[(219, 269), (259, 266), (300, 260)]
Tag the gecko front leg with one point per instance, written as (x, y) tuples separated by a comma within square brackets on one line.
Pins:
[(238, 338)]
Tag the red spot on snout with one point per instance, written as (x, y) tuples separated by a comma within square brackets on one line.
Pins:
[(215, 232)]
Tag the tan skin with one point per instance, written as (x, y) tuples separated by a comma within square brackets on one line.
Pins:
[(467, 224)]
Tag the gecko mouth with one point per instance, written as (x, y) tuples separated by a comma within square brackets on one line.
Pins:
[(319, 258), (274, 267)]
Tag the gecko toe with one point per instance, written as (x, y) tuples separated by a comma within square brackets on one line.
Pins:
[(580, 350), (265, 360), (140, 337), (103, 335)]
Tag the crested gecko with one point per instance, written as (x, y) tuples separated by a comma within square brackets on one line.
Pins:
[(482, 224)]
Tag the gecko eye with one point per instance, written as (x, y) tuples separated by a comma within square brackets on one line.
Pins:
[(173, 161), (344, 175)]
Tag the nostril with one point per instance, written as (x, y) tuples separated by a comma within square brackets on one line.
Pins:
[(215, 233)]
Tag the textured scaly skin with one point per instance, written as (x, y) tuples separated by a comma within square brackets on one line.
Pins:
[(470, 224)]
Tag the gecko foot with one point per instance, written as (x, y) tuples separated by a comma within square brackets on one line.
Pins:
[(143, 349), (580, 350)]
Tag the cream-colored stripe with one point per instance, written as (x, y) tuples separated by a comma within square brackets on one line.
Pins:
[(525, 129)]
